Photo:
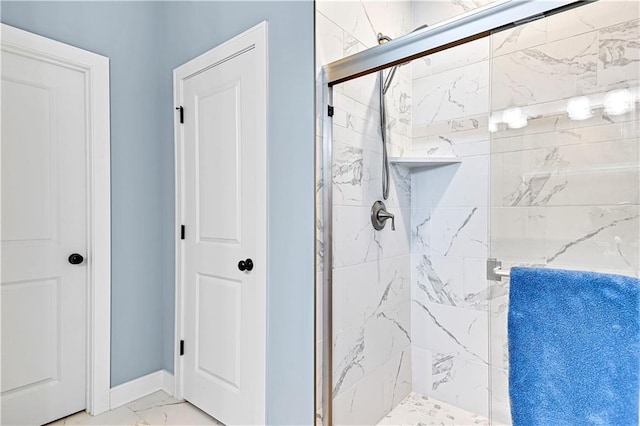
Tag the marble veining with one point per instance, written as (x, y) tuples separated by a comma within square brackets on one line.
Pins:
[(370, 345), (551, 71), (533, 185), (615, 43), (460, 228), (442, 370), (397, 324), (619, 55), (155, 409), (370, 399), (454, 94), (619, 250), (371, 331), (451, 335), (348, 174), (396, 380), (401, 185), (420, 236), (419, 410), (353, 359), (437, 291), (590, 235)]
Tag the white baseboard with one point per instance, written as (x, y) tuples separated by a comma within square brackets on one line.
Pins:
[(167, 382), (142, 386)]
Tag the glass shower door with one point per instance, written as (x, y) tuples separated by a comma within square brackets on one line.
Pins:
[(564, 173)]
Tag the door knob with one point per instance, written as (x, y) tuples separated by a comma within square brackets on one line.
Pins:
[(76, 259), (245, 265)]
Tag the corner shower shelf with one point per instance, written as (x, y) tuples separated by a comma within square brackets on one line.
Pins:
[(415, 162)]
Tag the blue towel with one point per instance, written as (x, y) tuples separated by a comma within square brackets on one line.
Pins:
[(574, 347)]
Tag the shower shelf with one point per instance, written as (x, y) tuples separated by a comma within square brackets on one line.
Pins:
[(415, 162)]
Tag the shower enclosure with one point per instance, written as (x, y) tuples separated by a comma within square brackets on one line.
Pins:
[(512, 135)]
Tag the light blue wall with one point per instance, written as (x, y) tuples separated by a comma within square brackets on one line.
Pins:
[(145, 41), (126, 32)]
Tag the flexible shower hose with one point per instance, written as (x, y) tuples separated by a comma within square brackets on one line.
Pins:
[(383, 131)]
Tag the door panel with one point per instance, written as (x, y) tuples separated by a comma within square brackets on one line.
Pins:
[(30, 187), (37, 347), (219, 330), (218, 163), (223, 172), (44, 220)]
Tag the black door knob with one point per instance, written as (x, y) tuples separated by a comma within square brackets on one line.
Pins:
[(245, 265), (76, 259)]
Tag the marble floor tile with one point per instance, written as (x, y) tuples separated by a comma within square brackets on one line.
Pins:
[(177, 414), (155, 409), (119, 416), (416, 409)]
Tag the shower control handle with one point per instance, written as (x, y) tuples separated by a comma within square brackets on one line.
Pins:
[(245, 265), (384, 216), (380, 215)]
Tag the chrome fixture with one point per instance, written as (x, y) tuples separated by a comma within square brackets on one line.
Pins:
[(387, 81), (384, 84), (495, 271), (380, 215)]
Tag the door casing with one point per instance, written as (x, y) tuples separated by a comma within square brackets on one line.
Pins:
[(96, 70), (254, 38)]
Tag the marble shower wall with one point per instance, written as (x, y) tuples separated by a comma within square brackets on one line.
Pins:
[(564, 193), (371, 269), (412, 308)]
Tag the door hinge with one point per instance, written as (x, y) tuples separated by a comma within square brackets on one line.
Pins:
[(182, 232), (181, 109), (330, 110), (181, 347)]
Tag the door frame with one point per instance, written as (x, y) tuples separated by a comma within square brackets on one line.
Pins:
[(96, 73), (255, 39)]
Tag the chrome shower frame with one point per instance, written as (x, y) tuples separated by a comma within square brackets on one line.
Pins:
[(497, 16)]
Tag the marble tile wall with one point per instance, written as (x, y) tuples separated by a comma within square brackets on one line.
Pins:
[(371, 269), (563, 193), (412, 308), (434, 11)]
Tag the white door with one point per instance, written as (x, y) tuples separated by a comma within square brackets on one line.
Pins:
[(44, 221), (222, 168)]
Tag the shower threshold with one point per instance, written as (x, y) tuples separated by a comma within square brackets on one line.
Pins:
[(417, 409)]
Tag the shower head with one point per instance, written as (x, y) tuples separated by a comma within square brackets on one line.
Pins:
[(383, 39)]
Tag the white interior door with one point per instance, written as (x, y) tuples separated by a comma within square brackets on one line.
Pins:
[(223, 191), (44, 221)]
